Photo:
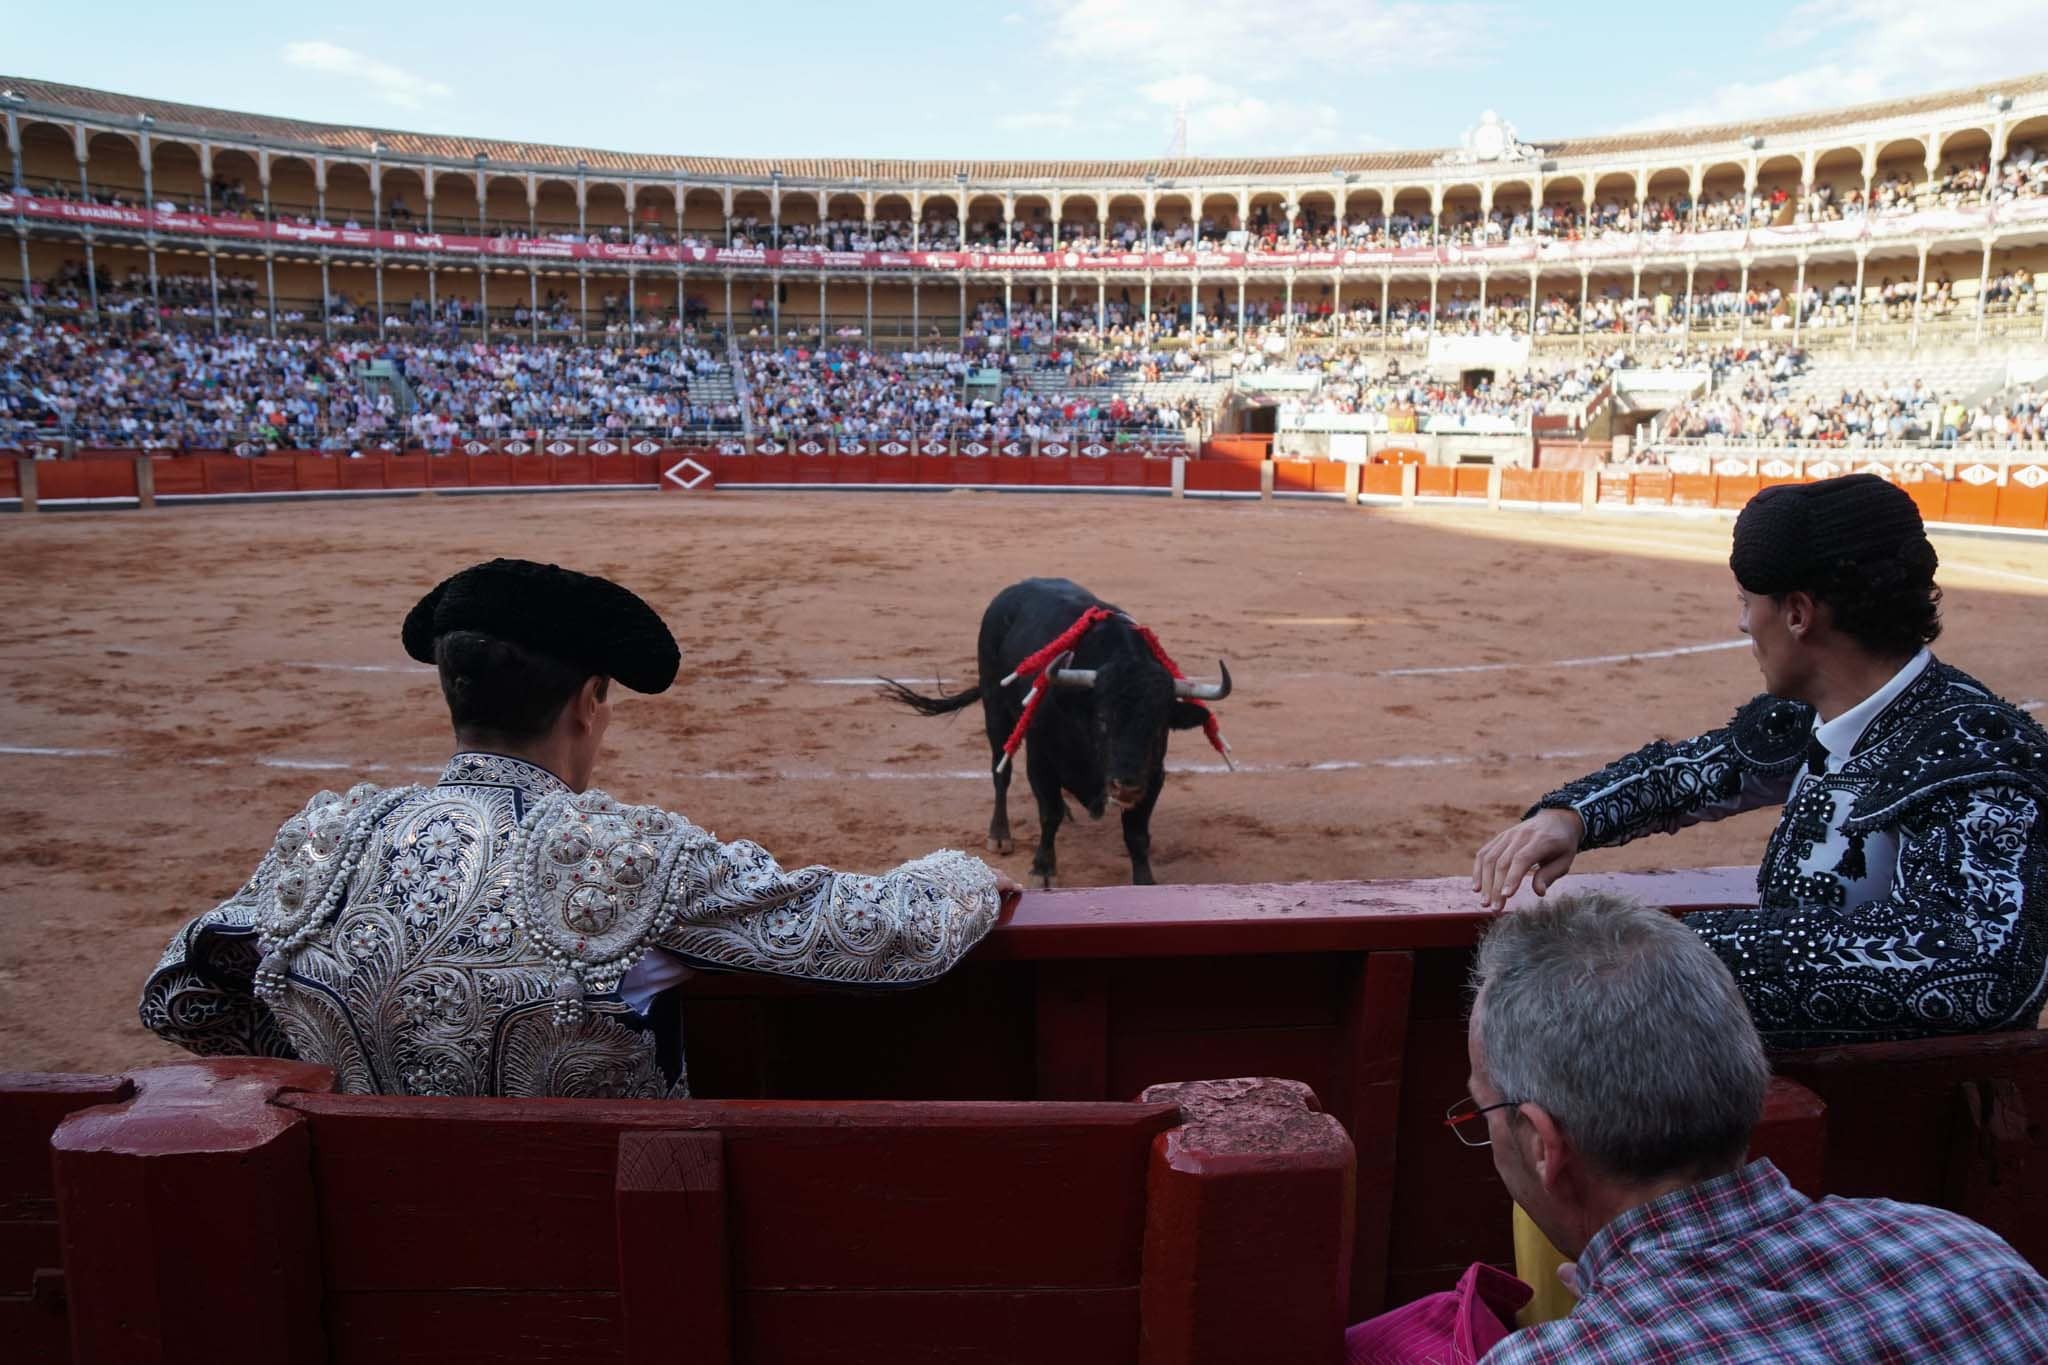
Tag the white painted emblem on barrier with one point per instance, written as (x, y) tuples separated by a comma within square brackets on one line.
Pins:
[(1095, 450), (698, 475), (1883, 471), (1778, 469), (1053, 448), (603, 448), (1978, 474), (1731, 468), (561, 448), (935, 448), (898, 448), (2030, 476), (643, 446), (245, 450), (1686, 464), (768, 448), (852, 448), (476, 448), (974, 448), (517, 447), (810, 448), (1823, 469), (1012, 448)]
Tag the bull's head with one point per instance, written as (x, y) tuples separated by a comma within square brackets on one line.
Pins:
[(1136, 701)]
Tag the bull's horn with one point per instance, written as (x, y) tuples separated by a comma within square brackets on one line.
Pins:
[(1062, 676), (1216, 691)]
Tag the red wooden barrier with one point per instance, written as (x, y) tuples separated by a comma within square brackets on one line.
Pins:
[(1972, 504), (2021, 506), (1380, 480), (1222, 476), (1208, 1222), (10, 478), (32, 1319), (85, 479), (1436, 481), (312, 473), (1732, 491)]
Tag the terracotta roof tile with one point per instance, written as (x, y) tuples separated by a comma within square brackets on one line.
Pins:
[(892, 173)]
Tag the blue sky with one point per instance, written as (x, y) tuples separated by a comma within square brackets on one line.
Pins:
[(1025, 78)]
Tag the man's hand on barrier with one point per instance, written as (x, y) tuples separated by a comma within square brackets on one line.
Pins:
[(1543, 845), (1010, 892)]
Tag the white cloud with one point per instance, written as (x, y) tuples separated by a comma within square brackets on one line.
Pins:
[(1013, 17), (1855, 51), (393, 84), (1241, 69)]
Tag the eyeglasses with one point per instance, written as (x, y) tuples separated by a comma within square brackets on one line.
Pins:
[(1461, 1115)]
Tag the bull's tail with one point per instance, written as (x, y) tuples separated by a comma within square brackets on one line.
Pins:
[(930, 706)]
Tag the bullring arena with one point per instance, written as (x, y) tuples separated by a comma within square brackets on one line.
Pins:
[(1439, 450)]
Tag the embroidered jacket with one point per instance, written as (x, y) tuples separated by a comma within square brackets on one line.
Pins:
[(1745, 1268), (1953, 940), (470, 938)]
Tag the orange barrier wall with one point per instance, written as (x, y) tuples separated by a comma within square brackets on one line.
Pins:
[(1256, 449), (1981, 494)]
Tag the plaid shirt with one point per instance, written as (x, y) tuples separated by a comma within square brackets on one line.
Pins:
[(1745, 1268)]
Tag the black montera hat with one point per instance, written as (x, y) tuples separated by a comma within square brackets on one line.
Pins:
[(1793, 535), (575, 617)]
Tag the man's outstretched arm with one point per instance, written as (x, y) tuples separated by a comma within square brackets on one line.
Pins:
[(1659, 789), (736, 908)]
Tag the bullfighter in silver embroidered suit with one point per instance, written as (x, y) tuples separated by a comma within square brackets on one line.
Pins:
[(1904, 892), (504, 931)]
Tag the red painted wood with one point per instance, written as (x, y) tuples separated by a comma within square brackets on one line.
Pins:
[(367, 472), (532, 471), (189, 1207), (896, 469), (1380, 480), (57, 479), (1692, 490), (1973, 504), (670, 1200), (476, 1326), (614, 469), (572, 469), (1306, 917), (1733, 491), (449, 471), (10, 478), (2022, 507), (226, 474), (1222, 476), (1793, 1134), (805, 1180), (178, 474), (1072, 1024), (1367, 1098), (273, 474), (1012, 1326), (407, 470), (1470, 480), (1654, 489), (1436, 481), (1246, 1197), (309, 473), (1895, 1125), (33, 1324)]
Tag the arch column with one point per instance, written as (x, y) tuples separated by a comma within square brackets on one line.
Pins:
[(1742, 302), (1386, 318), (1798, 298), (1983, 286), (1919, 299), (1856, 308)]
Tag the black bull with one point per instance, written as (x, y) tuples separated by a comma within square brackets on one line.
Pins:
[(1101, 731)]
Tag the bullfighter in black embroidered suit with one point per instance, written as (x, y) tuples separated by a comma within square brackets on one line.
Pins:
[(1904, 892)]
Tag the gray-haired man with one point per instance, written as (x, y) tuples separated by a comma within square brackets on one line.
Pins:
[(1618, 1076)]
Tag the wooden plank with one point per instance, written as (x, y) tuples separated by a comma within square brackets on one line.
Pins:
[(189, 1207), (1071, 1025), (1793, 1135), (479, 1327), (1308, 1055), (1367, 1099), (1250, 1203), (674, 1268), (889, 1196), (984, 1326), (31, 1107), (1308, 917)]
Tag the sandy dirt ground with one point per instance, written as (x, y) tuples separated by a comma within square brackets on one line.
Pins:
[(172, 685)]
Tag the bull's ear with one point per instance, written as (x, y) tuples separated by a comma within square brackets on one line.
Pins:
[(1186, 715)]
